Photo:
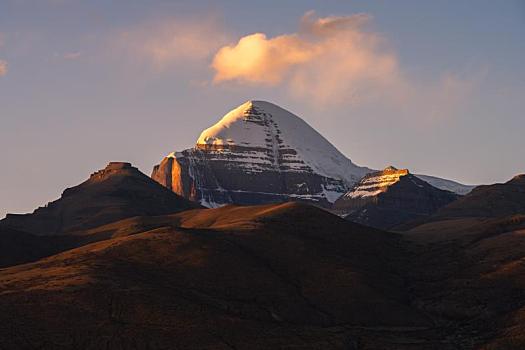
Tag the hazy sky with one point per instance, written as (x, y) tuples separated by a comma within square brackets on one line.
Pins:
[(434, 86)]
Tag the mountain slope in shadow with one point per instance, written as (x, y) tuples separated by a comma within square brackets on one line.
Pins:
[(116, 192), (480, 239), (234, 277), (108, 267), (119, 191)]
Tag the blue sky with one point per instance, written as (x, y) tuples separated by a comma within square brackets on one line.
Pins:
[(439, 88)]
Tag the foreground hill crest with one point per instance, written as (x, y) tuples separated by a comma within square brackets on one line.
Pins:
[(116, 192)]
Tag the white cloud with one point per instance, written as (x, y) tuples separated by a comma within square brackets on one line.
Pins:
[(328, 59), (337, 60)]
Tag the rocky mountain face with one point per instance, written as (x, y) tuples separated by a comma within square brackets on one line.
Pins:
[(387, 198), (259, 153), (115, 192)]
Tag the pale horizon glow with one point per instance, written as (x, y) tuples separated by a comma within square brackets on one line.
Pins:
[(438, 88)]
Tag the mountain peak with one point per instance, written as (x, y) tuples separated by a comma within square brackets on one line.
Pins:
[(393, 169), (114, 168), (118, 191), (390, 197), (259, 103), (518, 179), (118, 166), (377, 182), (259, 153), (282, 138), (496, 200), (238, 127)]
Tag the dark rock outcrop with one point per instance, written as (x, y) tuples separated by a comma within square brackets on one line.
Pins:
[(113, 193), (495, 200)]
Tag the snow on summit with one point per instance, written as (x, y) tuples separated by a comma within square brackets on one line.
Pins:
[(286, 137), (261, 153), (377, 182)]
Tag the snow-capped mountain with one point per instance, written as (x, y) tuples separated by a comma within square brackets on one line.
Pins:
[(391, 197), (259, 153), (375, 183), (447, 185)]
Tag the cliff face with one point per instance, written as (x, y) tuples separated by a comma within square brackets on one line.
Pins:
[(391, 197), (259, 153)]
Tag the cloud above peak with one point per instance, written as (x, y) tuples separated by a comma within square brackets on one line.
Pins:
[(257, 59), (327, 61), (328, 58)]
